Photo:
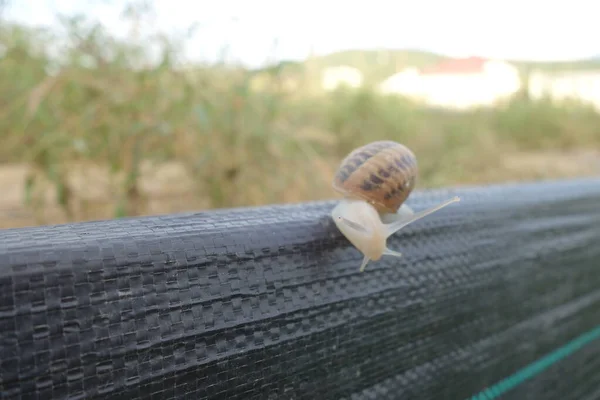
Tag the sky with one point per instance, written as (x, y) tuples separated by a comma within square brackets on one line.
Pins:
[(538, 30)]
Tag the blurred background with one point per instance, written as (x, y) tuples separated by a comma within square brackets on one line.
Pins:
[(123, 108)]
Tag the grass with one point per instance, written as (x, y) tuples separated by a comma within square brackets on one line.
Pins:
[(238, 137)]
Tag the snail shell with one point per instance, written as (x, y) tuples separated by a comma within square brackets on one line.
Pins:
[(382, 173)]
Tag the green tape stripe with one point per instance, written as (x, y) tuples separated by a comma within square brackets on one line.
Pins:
[(538, 366)]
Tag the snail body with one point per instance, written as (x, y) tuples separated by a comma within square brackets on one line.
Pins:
[(376, 179)]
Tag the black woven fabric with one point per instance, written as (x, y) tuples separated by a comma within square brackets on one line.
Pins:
[(269, 303)]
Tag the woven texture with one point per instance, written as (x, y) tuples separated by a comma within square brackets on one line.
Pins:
[(269, 303)]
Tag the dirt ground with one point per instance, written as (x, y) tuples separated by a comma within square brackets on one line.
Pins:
[(167, 188)]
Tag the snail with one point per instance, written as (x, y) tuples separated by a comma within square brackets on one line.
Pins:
[(375, 180)]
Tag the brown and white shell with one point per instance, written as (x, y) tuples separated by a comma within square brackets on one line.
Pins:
[(382, 172)]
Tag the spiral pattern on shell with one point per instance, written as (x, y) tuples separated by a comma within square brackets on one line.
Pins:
[(382, 173)]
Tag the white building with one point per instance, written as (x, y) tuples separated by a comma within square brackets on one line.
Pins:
[(406, 82), (342, 75), (582, 86), (457, 83)]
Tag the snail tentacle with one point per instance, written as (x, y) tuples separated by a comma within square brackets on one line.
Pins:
[(395, 226)]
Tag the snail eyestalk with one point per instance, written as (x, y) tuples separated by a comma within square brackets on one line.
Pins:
[(395, 226)]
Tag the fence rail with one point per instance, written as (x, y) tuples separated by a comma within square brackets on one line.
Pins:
[(499, 292)]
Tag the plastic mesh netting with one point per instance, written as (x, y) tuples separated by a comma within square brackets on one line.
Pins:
[(500, 292)]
